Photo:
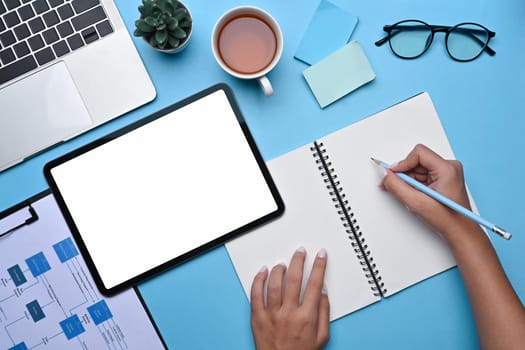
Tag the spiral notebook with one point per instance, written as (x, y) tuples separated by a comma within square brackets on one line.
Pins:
[(376, 247)]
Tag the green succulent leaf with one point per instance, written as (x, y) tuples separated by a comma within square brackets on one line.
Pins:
[(143, 26), (185, 23), (161, 26), (170, 7), (172, 23), (173, 42), (151, 21), (179, 33), (180, 13), (161, 36), (138, 33), (153, 41)]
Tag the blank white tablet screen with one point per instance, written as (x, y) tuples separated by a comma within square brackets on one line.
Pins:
[(164, 189)]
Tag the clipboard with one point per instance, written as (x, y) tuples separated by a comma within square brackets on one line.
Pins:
[(48, 290), (164, 189), (17, 217)]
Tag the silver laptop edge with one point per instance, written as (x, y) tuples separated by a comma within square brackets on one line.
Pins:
[(110, 80)]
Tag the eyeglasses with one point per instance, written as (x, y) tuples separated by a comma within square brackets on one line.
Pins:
[(464, 42)]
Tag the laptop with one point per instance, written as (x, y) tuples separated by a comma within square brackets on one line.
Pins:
[(66, 66)]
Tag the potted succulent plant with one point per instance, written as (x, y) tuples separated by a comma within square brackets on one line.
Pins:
[(165, 24)]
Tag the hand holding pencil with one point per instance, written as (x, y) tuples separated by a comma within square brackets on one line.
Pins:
[(434, 189), (499, 314), (493, 300)]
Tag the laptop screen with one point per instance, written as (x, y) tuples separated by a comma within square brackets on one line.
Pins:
[(164, 191)]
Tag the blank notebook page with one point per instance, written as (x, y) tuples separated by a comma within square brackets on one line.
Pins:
[(311, 221), (403, 256)]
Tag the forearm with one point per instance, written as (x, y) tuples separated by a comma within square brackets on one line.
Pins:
[(499, 314)]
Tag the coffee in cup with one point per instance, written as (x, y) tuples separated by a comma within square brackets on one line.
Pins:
[(247, 43)]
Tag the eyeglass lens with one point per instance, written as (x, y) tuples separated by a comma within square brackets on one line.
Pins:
[(464, 42), (409, 39)]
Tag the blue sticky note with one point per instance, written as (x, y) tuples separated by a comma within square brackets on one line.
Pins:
[(329, 30), (339, 74)]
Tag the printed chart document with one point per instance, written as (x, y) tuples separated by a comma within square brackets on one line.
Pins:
[(48, 299), (375, 246)]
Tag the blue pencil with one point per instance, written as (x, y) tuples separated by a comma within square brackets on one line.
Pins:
[(448, 202)]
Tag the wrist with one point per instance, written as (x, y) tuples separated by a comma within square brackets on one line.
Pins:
[(461, 233)]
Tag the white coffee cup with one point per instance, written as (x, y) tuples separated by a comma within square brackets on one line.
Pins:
[(241, 44)]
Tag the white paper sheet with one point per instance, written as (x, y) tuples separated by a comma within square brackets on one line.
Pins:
[(49, 300)]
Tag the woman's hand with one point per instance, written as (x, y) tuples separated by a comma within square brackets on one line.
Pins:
[(499, 314), (444, 176), (285, 321)]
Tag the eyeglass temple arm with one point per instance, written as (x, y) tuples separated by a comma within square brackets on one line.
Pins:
[(490, 51), (382, 40)]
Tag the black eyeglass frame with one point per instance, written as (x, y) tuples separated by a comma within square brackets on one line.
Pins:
[(438, 29)]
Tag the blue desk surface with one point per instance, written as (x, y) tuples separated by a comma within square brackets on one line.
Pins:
[(201, 304)]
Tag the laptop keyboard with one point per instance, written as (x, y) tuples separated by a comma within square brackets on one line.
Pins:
[(36, 32)]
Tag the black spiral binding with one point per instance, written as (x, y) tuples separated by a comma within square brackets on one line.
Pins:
[(347, 217)]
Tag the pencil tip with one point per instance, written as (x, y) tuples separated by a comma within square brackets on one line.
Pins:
[(375, 160)]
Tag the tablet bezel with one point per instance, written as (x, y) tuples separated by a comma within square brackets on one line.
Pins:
[(194, 252)]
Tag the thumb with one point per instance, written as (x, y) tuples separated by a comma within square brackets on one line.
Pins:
[(405, 193)]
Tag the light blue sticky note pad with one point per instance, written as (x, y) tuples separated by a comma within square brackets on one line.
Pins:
[(339, 74), (329, 30)]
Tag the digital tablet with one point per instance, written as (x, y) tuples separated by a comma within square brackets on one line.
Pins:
[(164, 189)]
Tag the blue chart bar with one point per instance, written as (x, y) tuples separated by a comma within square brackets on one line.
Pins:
[(35, 311), (72, 327), (17, 275), (20, 346), (65, 250), (38, 264), (100, 312)]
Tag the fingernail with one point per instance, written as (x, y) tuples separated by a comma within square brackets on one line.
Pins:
[(301, 250), (322, 253), (324, 291), (263, 269), (282, 264)]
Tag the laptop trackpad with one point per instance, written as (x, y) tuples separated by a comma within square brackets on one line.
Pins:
[(39, 111)]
